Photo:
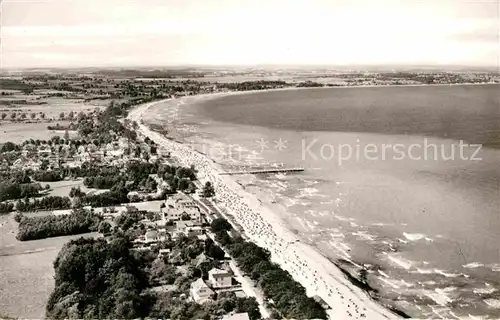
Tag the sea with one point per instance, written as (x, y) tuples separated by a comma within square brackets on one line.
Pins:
[(400, 188)]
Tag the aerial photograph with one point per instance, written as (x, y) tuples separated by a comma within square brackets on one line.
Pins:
[(244, 160)]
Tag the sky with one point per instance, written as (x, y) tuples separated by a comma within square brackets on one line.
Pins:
[(87, 33)]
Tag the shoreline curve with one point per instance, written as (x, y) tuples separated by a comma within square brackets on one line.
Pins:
[(311, 269)]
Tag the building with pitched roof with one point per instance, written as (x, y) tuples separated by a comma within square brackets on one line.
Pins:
[(220, 278), (200, 292)]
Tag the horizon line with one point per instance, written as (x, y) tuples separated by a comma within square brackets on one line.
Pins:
[(257, 65)]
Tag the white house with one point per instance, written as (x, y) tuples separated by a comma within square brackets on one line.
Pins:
[(44, 151), (220, 278), (200, 291), (151, 236), (189, 228), (178, 205), (236, 316), (163, 253), (176, 214)]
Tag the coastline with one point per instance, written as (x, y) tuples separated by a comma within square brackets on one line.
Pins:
[(316, 273)]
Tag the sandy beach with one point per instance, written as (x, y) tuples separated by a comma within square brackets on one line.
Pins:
[(316, 273)]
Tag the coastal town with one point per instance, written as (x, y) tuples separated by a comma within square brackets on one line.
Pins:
[(247, 160), (98, 173), (193, 246)]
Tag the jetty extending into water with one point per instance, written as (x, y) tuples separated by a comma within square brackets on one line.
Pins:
[(273, 170)]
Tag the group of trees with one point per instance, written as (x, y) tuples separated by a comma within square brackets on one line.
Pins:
[(136, 176), (253, 85), (104, 125), (57, 126), (169, 306), (115, 196), (10, 146), (13, 190), (79, 221), (76, 192), (22, 115), (6, 207), (45, 203), (208, 190), (98, 280), (48, 176), (289, 297), (95, 278), (102, 182), (309, 84)]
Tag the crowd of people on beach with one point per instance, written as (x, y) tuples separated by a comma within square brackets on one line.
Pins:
[(282, 244)]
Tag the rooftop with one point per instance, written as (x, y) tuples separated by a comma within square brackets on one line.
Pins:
[(236, 316)]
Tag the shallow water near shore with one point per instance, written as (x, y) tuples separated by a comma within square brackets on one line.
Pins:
[(424, 233)]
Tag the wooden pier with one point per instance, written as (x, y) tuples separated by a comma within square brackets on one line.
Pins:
[(273, 170)]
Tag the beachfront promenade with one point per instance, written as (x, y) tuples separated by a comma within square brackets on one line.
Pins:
[(263, 228), (282, 170)]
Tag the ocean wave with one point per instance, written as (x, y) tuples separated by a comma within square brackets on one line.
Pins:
[(399, 261), (311, 182), (439, 296), (290, 202), (342, 248), (416, 236), (385, 275), (413, 236), (364, 235), (394, 283), (424, 271), (310, 192), (484, 290), (495, 267), (447, 275), (382, 224), (473, 265), (342, 218), (493, 303), (391, 283)]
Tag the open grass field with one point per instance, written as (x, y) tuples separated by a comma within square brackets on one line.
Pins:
[(26, 271), (19, 132)]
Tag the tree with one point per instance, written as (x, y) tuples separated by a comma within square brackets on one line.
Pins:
[(4, 115), (6, 207), (13, 115), (76, 192), (44, 165), (9, 146), (33, 115), (104, 227), (23, 115), (220, 224), (42, 115), (61, 116), (18, 217), (214, 251), (66, 135), (208, 190)]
